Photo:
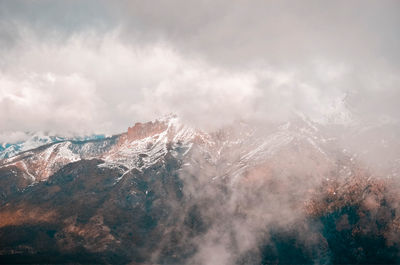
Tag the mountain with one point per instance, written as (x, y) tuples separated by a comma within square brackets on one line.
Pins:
[(34, 140), (167, 193)]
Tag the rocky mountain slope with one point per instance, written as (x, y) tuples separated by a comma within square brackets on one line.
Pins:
[(167, 193)]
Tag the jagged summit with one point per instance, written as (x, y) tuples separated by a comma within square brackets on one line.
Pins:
[(143, 130)]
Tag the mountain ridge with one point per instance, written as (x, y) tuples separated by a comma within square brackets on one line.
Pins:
[(165, 193)]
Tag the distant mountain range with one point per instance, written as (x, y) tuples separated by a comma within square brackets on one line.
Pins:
[(34, 140), (167, 193)]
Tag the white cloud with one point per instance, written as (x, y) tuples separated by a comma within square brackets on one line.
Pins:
[(211, 69)]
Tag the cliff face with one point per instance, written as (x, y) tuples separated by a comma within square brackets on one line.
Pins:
[(144, 130)]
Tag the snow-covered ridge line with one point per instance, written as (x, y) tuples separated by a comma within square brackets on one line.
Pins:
[(230, 151), (120, 150), (34, 140)]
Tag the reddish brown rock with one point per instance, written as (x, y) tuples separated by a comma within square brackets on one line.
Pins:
[(143, 130)]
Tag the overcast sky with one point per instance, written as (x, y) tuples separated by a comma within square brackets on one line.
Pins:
[(100, 66)]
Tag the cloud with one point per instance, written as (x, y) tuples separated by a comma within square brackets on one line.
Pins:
[(101, 67), (93, 82)]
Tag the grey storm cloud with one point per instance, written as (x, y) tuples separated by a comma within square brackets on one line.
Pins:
[(99, 66)]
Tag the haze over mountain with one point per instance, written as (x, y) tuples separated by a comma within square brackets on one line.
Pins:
[(283, 145)]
